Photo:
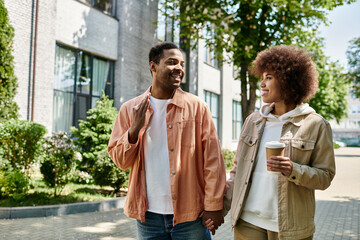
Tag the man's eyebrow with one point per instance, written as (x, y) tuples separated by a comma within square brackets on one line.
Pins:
[(172, 59), (175, 59)]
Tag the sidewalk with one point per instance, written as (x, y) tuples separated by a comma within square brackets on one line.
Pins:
[(337, 214)]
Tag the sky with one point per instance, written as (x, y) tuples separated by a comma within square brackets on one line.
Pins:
[(344, 26)]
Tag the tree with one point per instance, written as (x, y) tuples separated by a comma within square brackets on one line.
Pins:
[(330, 100), (93, 135), (353, 55), (8, 80), (244, 27)]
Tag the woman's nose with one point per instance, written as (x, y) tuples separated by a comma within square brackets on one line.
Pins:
[(262, 84)]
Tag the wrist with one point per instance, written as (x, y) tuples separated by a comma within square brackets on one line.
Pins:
[(133, 135)]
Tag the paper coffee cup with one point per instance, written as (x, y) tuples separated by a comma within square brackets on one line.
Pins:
[(274, 148)]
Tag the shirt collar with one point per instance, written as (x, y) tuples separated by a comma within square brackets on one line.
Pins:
[(178, 98)]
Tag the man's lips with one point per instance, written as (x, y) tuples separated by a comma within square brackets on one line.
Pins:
[(177, 78)]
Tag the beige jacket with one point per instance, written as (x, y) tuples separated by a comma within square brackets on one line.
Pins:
[(309, 145)]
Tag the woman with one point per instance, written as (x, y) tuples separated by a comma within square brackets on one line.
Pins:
[(281, 206)]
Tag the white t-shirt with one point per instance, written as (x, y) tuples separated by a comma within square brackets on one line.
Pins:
[(261, 207), (157, 168)]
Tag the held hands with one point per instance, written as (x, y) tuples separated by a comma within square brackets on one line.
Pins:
[(138, 119), (280, 164), (212, 220)]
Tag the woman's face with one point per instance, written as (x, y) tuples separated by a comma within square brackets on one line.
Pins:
[(270, 88)]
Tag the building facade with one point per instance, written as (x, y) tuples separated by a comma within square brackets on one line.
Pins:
[(348, 130), (68, 52)]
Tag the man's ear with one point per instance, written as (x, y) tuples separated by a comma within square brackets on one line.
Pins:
[(152, 66)]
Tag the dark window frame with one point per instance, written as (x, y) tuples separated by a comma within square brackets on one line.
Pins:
[(236, 118), (211, 94), (93, 4), (110, 81)]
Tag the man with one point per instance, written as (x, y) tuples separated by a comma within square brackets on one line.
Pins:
[(168, 138)]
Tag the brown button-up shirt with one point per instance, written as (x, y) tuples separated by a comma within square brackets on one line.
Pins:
[(197, 172)]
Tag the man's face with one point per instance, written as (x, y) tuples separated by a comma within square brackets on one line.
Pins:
[(169, 73)]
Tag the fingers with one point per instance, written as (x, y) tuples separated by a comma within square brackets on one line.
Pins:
[(144, 104), (280, 164), (209, 224)]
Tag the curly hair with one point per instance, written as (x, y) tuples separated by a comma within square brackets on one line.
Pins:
[(293, 68)]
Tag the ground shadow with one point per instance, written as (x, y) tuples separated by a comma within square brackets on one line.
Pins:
[(338, 219)]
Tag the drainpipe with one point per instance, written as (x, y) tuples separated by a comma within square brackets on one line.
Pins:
[(30, 59), (34, 66)]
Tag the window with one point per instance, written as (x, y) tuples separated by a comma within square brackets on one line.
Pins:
[(168, 28), (236, 120), (209, 54), (107, 6), (236, 72), (212, 101), (79, 80)]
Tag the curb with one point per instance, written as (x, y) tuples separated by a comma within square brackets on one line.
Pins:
[(61, 209)]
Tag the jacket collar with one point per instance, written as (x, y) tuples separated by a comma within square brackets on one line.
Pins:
[(297, 121), (178, 98)]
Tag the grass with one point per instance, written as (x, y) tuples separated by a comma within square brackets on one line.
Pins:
[(41, 194)]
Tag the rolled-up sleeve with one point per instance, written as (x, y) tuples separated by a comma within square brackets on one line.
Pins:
[(214, 167), (123, 153)]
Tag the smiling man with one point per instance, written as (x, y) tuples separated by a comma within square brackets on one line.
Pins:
[(168, 138)]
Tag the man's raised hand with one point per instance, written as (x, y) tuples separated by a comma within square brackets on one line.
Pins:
[(138, 119)]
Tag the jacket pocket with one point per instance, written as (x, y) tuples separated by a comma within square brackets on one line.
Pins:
[(248, 144), (188, 132), (302, 150)]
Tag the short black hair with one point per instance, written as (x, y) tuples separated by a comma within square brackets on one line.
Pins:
[(157, 51)]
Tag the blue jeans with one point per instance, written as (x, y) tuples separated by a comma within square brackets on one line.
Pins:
[(158, 226)]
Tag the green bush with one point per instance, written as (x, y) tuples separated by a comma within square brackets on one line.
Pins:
[(8, 81), (229, 157), (20, 143), (59, 161), (12, 183), (106, 173), (93, 135)]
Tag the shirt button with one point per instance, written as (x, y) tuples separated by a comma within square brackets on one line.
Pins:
[(170, 126), (173, 172), (250, 142), (127, 146), (174, 197), (170, 107), (171, 149), (302, 146), (293, 177)]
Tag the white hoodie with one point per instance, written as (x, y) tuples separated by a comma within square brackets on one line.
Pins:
[(261, 207)]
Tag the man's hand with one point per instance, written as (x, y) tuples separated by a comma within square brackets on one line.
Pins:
[(212, 220), (138, 119)]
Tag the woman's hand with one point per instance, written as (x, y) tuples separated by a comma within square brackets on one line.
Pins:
[(280, 164)]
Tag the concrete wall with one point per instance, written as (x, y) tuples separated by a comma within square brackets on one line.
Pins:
[(45, 56), (136, 36), (81, 26), (20, 13)]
